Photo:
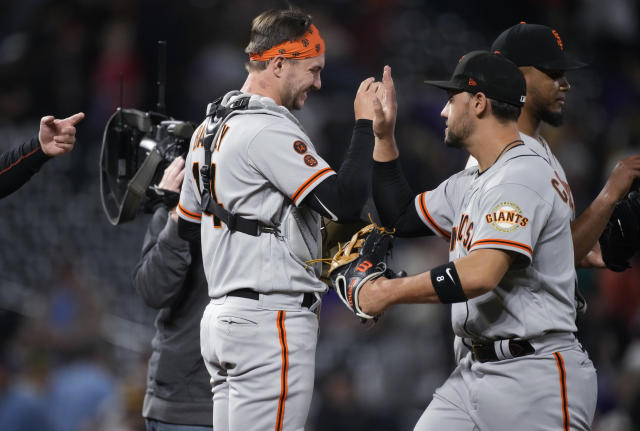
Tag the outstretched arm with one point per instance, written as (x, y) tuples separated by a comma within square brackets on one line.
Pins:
[(478, 273), (392, 194), (19, 164), (587, 228), (341, 197)]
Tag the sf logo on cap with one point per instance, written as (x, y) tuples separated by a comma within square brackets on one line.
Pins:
[(558, 40)]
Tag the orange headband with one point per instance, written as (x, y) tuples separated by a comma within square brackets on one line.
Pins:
[(309, 45)]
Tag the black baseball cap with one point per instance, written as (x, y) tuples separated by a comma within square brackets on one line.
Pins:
[(535, 45), (485, 72)]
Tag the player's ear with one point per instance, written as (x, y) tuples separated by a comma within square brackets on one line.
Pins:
[(480, 104), (277, 65)]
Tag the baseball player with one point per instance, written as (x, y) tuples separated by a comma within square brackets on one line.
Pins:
[(511, 276), (55, 137), (170, 278), (264, 191), (540, 54)]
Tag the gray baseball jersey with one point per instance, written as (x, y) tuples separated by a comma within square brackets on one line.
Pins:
[(518, 205), (264, 167), (541, 147), (259, 349)]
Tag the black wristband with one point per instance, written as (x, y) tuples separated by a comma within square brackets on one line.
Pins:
[(447, 284)]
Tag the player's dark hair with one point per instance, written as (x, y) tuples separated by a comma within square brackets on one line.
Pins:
[(504, 112), (273, 27)]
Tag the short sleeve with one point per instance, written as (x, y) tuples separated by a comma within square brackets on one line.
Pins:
[(189, 205), (435, 209), (511, 217), (288, 160)]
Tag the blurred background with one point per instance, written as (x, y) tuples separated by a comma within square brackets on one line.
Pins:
[(75, 337)]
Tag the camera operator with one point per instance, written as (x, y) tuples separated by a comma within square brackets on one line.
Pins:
[(170, 277), (19, 164)]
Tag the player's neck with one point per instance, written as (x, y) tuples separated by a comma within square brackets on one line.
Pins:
[(488, 147), (257, 83), (529, 124)]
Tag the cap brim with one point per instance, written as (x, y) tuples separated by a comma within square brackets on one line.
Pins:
[(445, 85), (568, 62)]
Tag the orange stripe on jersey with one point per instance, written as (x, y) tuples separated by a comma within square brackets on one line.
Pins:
[(310, 181), (188, 213), (12, 165), (563, 392), (430, 220), (503, 242), (282, 333)]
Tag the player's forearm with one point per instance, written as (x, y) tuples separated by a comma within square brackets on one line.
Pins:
[(385, 149), (383, 293), (478, 273), (353, 177), (19, 164), (391, 191), (394, 200), (342, 196), (587, 228)]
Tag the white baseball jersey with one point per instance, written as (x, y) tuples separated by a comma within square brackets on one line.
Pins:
[(264, 167), (521, 205)]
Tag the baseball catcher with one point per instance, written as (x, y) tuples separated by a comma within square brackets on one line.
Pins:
[(620, 239)]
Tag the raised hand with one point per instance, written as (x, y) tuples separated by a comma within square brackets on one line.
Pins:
[(58, 137), (384, 121), (364, 103), (620, 180), (386, 107)]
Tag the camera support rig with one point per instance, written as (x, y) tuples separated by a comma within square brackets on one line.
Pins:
[(136, 148)]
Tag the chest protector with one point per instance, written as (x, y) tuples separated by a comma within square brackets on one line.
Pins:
[(299, 228)]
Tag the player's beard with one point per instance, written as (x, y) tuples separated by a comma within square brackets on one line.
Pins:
[(292, 100), (554, 119), (457, 136), (541, 108)]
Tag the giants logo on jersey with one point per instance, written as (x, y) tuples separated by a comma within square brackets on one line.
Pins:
[(506, 217)]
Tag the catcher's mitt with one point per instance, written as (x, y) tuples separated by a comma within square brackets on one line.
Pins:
[(620, 239), (362, 259)]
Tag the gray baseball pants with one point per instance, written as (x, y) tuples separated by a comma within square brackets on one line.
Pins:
[(552, 389), (261, 358)]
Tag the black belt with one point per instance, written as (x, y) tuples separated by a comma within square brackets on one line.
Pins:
[(498, 350), (308, 300)]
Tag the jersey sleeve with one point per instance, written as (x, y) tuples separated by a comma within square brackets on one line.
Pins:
[(510, 217), (189, 204), (436, 209), (288, 160)]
